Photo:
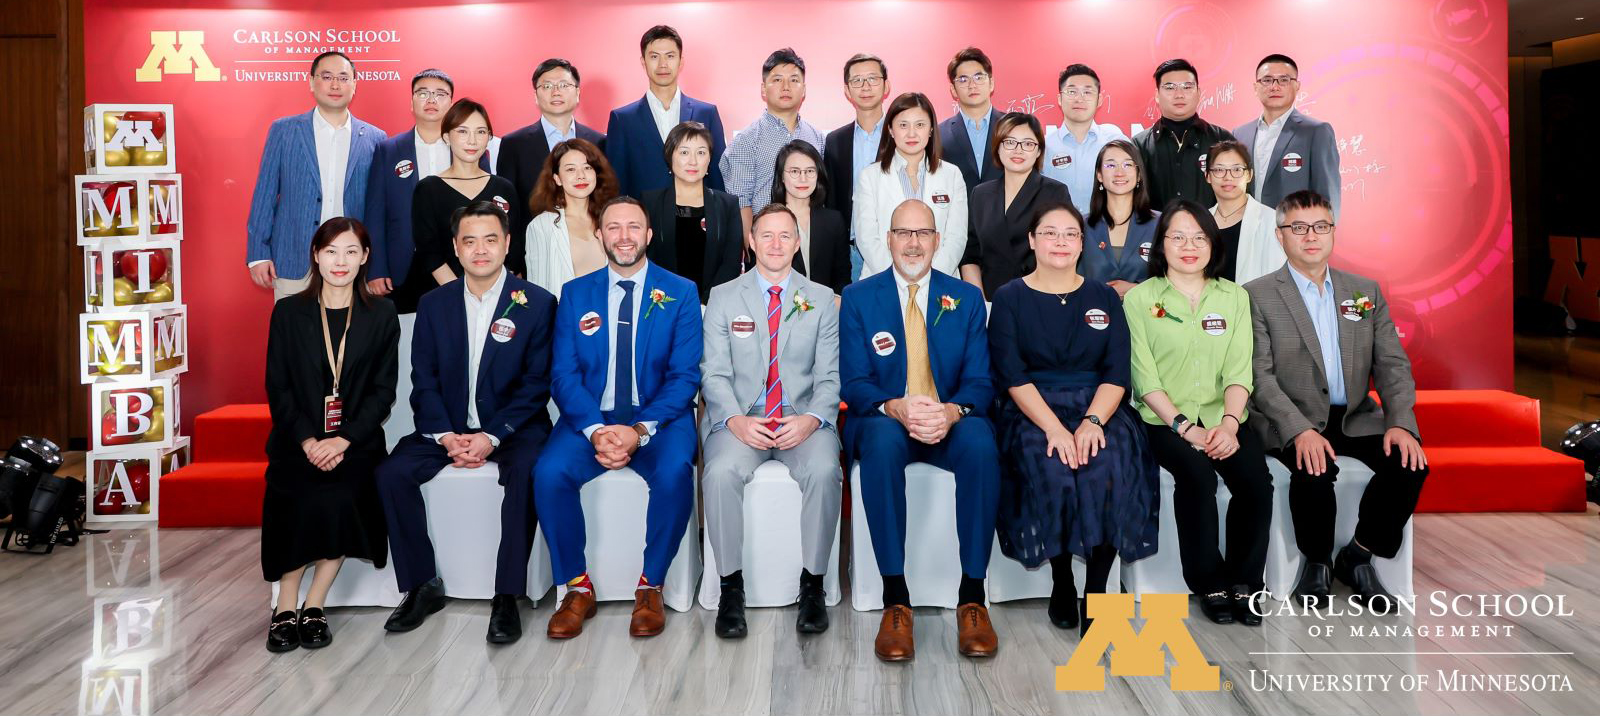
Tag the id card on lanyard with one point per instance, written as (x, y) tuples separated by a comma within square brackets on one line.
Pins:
[(332, 405)]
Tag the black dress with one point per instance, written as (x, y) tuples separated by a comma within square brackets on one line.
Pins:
[(690, 231), (308, 514), (1067, 350), (432, 203)]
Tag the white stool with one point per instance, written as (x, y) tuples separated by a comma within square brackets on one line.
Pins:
[(1284, 559), (772, 559), (614, 506), (1009, 580), (401, 422), (463, 508), (1162, 572), (933, 565)]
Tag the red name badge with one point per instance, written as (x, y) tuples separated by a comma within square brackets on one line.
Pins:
[(1061, 161), (941, 198), (332, 414)]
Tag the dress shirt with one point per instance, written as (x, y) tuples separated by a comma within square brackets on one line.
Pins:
[(1324, 310), (1071, 162), (1266, 140), (666, 117), (333, 155), (899, 166), (431, 158), (614, 293), (554, 136), (863, 151), (480, 315), (748, 164), (901, 292), (978, 135), (1179, 357)]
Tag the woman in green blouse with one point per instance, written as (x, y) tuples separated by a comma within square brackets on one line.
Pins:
[(1191, 354)]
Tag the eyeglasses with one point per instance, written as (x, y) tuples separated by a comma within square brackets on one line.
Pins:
[(465, 132), (1198, 241), (1074, 93), (330, 78), (1170, 87), (1112, 166), (1026, 145), (798, 173), (867, 81), (1230, 172), (562, 85), (1299, 228), (427, 95), (1278, 81), (1051, 235), (906, 234), (980, 78)]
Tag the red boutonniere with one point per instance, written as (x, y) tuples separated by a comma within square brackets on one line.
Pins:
[(1160, 311), (518, 298), (946, 304), (658, 297), (1364, 304)]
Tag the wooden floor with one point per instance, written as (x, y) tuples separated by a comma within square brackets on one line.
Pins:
[(216, 662)]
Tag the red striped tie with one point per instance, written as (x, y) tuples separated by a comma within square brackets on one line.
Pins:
[(774, 394)]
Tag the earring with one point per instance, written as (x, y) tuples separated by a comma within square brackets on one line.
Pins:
[(1098, 185)]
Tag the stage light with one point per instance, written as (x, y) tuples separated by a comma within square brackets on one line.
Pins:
[(43, 455), (17, 479), (45, 508)]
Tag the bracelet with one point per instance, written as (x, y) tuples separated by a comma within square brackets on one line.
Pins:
[(1235, 418), (1185, 429)]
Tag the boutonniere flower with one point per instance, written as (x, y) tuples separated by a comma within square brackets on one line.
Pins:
[(800, 304), (658, 297), (1160, 311), (518, 298), (1363, 304), (946, 304)]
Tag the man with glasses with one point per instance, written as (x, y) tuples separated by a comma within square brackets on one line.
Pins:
[(1292, 151), (966, 135), (522, 153), (748, 165), (855, 145), (313, 168), (1069, 152), (1176, 148), (1321, 335)]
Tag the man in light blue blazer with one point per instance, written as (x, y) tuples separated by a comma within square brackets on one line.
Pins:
[(314, 168), (625, 372), (636, 133)]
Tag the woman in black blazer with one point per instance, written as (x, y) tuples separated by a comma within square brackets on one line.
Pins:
[(1000, 211), (802, 185), (698, 233), (321, 503)]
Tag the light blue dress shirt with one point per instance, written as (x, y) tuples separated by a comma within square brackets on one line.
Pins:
[(608, 397), (978, 135), (1324, 310), (863, 151), (553, 136)]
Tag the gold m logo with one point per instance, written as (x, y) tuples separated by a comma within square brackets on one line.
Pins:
[(1138, 653), (177, 53)]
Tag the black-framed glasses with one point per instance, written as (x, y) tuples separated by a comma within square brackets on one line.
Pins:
[(1279, 81), (868, 81), (1299, 228), (1230, 172), (1026, 145), (904, 234)]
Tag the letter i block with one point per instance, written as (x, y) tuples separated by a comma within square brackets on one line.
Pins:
[(124, 485), (133, 345), (134, 414), (120, 276), (128, 139), (131, 207)]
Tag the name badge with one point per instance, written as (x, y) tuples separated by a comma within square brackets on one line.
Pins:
[(1061, 161), (1348, 310), (742, 327), (404, 168), (1292, 162), (1202, 164), (332, 414), (1144, 251), (1214, 324), (502, 330), (941, 198), (501, 202), (882, 343), (1097, 319), (589, 323)]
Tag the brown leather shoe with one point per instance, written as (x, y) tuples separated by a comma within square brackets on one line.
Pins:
[(895, 641), (567, 622), (976, 635), (648, 616)]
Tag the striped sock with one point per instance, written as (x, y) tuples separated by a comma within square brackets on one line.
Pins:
[(581, 583)]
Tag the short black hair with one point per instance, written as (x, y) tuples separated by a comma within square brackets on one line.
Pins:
[(780, 57), (660, 32), (779, 193), (480, 208), (1075, 69), (1275, 57), (970, 54), (1208, 226), (861, 57), (625, 199), (1303, 199), (331, 53), (1049, 206), (433, 74), (683, 133), (555, 63), (1175, 65)]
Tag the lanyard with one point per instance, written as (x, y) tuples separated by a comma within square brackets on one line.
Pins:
[(337, 363)]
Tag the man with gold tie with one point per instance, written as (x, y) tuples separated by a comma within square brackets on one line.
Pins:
[(914, 369)]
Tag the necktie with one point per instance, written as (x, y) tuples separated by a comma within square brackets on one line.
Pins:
[(774, 394), (919, 372), (622, 406)]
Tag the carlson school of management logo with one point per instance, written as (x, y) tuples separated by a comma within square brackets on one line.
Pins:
[(177, 53), (1138, 653)]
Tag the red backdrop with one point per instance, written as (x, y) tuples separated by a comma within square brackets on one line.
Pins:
[(1416, 91)]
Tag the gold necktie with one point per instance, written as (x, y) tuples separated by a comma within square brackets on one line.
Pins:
[(919, 372)]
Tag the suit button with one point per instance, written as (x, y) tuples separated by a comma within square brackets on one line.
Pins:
[(1324, 391), (1320, 426), (319, 200)]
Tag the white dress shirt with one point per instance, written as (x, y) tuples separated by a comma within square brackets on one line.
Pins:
[(1266, 141), (614, 293), (666, 117), (333, 155), (431, 158), (480, 315)]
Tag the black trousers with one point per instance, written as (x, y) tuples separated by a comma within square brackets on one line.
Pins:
[(1386, 505), (1194, 505)]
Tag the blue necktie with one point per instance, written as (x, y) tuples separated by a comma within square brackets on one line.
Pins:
[(622, 406)]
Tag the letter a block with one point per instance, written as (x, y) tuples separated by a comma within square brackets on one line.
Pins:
[(128, 139), (124, 485)]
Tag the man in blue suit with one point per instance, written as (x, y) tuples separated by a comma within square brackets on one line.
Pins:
[(398, 163), (313, 168), (914, 368), (480, 380), (627, 368), (636, 134)]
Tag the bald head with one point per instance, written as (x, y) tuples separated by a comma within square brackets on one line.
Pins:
[(913, 239)]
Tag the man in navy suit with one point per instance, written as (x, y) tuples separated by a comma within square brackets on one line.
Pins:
[(914, 368), (627, 368), (966, 134), (398, 163), (313, 168), (480, 380), (636, 134), (523, 152)]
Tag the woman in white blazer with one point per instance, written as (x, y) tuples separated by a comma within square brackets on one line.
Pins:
[(908, 167), (1246, 227), (561, 244)]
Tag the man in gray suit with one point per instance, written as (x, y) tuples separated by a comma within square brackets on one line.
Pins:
[(770, 378), (1292, 151), (1320, 335)]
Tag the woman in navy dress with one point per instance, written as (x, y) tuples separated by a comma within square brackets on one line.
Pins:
[(1121, 225), (1078, 479)]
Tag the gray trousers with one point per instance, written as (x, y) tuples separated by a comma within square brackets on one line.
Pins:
[(728, 466)]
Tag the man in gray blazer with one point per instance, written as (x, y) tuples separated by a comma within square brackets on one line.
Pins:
[(770, 378), (1292, 151), (1320, 335)]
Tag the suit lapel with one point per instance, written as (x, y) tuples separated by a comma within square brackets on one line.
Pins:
[(408, 150), (646, 327), (647, 119), (1015, 213), (889, 306), (798, 284), (988, 170), (357, 134), (491, 347), (930, 316), (1347, 341), (1290, 126), (1289, 291), (756, 304), (962, 143)]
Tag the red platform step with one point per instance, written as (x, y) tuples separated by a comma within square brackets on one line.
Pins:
[(214, 494), (232, 433)]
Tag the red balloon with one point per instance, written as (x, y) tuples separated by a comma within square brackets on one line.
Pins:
[(108, 425), (139, 479), (158, 122), (107, 502), (129, 263)]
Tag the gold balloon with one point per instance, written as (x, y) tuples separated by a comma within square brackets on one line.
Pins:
[(158, 427), (160, 293), (94, 299), (122, 292), (116, 158), (144, 507), (159, 394), (150, 157), (168, 364), (110, 120)]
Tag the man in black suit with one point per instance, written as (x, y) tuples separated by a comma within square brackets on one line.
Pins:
[(522, 153), (966, 135), (850, 148)]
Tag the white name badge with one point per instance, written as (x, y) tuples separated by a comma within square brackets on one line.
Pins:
[(404, 168), (1097, 319), (1214, 324), (1144, 251), (502, 330), (1293, 162), (882, 343), (589, 323), (1348, 310), (742, 326)]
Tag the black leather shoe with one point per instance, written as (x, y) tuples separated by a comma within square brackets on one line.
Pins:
[(1246, 606), (730, 615), (417, 605), (314, 631), (1217, 607), (283, 632), (1315, 584), (813, 617), (505, 624), (1354, 567), (1083, 618), (1064, 608)]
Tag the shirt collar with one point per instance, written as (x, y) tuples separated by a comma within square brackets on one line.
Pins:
[(976, 124), (922, 283), (766, 285), (1064, 134), (650, 99), (493, 294), (612, 277), (1305, 284), (321, 124), (551, 129), (1262, 121), (876, 128)]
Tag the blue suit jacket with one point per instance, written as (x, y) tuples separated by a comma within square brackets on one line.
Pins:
[(666, 351), (1101, 264), (286, 208), (958, 347), (635, 150), (388, 210), (513, 377)]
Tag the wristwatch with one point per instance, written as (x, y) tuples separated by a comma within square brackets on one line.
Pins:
[(644, 434), (963, 408), (1091, 417), (1179, 422)]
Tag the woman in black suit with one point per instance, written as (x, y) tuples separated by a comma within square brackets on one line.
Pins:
[(999, 210), (697, 230), (332, 362), (803, 186)]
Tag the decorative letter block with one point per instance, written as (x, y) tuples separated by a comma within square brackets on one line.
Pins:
[(120, 276), (134, 414), (124, 485), (114, 689), (127, 562), (131, 207), (133, 629), (128, 139)]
